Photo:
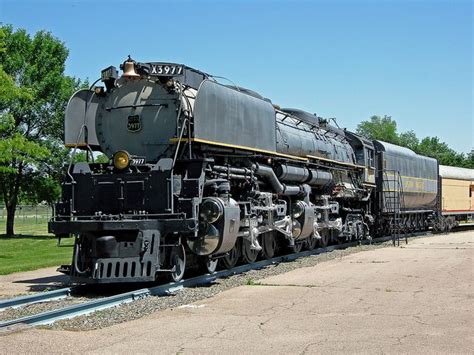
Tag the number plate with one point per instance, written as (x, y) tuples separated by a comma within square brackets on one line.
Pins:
[(138, 161), (109, 73), (166, 69)]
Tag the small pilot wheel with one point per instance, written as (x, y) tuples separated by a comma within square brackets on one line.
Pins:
[(269, 245), (233, 255), (311, 243), (178, 262), (208, 265), (248, 255), (324, 241)]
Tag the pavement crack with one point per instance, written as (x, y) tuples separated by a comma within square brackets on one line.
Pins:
[(400, 338), (415, 317), (418, 320), (290, 285), (307, 346)]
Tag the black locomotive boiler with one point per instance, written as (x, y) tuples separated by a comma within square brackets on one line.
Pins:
[(201, 173)]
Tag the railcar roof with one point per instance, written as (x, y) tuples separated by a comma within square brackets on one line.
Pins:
[(396, 149), (399, 151), (453, 172)]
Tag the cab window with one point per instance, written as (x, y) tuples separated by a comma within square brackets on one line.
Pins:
[(359, 153), (370, 157)]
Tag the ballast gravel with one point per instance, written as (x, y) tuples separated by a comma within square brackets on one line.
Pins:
[(35, 308), (146, 306)]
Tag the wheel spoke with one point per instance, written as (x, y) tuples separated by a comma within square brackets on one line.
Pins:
[(269, 245), (324, 241), (230, 260), (296, 248), (311, 243), (248, 255)]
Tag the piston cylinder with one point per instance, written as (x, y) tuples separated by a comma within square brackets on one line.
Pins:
[(287, 172), (319, 178)]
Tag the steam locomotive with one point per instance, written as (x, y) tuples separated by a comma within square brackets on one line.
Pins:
[(202, 173)]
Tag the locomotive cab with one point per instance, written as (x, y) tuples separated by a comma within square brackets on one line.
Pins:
[(365, 155)]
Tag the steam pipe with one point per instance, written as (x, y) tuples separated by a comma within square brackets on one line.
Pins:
[(282, 189), (313, 177), (239, 171)]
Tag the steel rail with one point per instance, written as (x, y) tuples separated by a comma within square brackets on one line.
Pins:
[(35, 298), (166, 289)]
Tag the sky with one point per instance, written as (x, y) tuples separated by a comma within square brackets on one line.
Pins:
[(411, 60)]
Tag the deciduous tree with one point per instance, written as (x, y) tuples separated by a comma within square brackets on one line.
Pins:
[(33, 94), (385, 129), (382, 128), (433, 147)]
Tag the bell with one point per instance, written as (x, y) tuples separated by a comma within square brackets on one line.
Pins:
[(129, 69)]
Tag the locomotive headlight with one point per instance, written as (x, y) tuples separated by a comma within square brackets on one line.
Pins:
[(210, 211), (121, 160), (298, 209)]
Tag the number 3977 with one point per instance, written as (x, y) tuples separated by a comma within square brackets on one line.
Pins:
[(166, 69)]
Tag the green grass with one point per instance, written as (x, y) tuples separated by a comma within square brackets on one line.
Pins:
[(32, 247)]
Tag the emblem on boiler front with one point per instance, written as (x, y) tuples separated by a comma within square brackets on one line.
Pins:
[(134, 123)]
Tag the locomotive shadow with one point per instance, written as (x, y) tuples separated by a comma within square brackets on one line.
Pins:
[(45, 283), (26, 236)]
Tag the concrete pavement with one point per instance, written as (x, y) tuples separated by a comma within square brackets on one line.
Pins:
[(418, 298), (20, 283)]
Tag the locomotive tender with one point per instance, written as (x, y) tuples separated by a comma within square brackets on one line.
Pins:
[(202, 172)]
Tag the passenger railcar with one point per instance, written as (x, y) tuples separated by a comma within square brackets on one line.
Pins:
[(457, 194)]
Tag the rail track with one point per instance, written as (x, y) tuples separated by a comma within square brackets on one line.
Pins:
[(49, 317), (35, 298)]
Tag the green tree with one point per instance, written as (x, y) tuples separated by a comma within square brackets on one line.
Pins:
[(470, 160), (81, 156), (432, 147), (381, 128), (44, 184), (385, 129), (33, 95), (409, 140)]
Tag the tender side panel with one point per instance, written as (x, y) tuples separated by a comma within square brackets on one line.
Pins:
[(419, 175), (225, 115)]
